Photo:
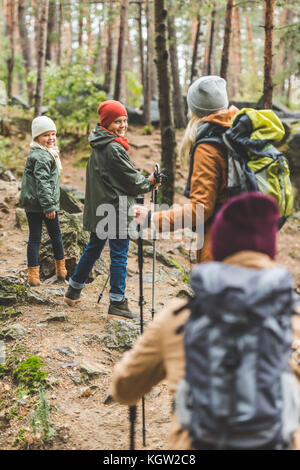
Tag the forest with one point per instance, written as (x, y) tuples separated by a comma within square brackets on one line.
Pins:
[(61, 59)]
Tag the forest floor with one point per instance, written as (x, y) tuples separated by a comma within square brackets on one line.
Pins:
[(81, 411)]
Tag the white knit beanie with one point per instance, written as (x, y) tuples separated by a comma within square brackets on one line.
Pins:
[(40, 125), (207, 95)]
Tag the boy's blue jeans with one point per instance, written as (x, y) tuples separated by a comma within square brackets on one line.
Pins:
[(118, 266)]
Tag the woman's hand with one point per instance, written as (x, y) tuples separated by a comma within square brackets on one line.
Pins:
[(154, 180), (50, 215), (140, 213)]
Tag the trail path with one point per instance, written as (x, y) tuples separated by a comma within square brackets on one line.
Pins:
[(82, 414)]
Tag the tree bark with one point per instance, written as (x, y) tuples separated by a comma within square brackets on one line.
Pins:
[(60, 33), (194, 71), (9, 6), (80, 22), (52, 17), (26, 49), (122, 35), (178, 104), (41, 57), (168, 142), (268, 54), (226, 44), (141, 43), (146, 83), (109, 50), (211, 39), (251, 46)]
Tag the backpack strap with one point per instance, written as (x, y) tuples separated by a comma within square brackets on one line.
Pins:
[(207, 133)]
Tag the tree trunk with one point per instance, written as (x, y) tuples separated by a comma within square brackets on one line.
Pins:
[(26, 49), (41, 57), (238, 48), (211, 39), (251, 45), (80, 22), (168, 142), (178, 104), (60, 33), (51, 33), (141, 44), (109, 50), (122, 35), (268, 54), (146, 83), (9, 6), (194, 71), (226, 44)]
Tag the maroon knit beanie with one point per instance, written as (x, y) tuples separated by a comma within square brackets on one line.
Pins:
[(246, 222), (109, 111)]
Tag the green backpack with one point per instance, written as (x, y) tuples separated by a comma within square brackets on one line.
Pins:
[(254, 164)]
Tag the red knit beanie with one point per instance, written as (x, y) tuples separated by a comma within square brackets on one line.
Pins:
[(109, 111), (246, 222)]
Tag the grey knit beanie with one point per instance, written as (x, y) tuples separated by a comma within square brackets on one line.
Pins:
[(40, 125), (207, 95)]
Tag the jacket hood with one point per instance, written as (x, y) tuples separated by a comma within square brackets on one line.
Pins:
[(224, 117), (100, 137), (222, 288)]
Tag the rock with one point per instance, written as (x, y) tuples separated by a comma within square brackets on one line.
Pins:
[(11, 292), (69, 203), (75, 240), (35, 297), (92, 370), (120, 334), (18, 102), (58, 316), (186, 292), (73, 191), (21, 219), (12, 332), (4, 208), (8, 176), (108, 400)]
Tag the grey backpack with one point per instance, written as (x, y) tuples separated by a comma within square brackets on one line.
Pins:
[(238, 390)]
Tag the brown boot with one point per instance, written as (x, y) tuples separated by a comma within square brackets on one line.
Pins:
[(61, 272), (34, 276)]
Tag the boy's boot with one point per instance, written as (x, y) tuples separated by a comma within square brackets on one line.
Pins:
[(34, 276), (60, 267), (72, 296), (120, 310)]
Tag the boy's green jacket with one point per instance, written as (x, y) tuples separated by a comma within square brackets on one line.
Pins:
[(109, 175), (40, 190)]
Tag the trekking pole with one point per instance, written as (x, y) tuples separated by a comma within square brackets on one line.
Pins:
[(101, 293), (132, 418), (154, 201), (140, 200)]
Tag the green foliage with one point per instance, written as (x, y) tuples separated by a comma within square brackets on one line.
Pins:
[(29, 373), (148, 130), (40, 419), (135, 90), (71, 94), (13, 157)]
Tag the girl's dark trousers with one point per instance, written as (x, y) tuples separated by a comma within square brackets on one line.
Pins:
[(35, 222)]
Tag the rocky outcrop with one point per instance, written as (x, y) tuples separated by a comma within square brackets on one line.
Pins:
[(75, 240)]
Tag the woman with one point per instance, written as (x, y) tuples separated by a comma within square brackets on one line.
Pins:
[(208, 103)]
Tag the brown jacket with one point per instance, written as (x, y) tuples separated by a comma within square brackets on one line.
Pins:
[(159, 355), (208, 186)]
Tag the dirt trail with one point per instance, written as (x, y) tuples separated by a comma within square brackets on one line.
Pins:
[(82, 414)]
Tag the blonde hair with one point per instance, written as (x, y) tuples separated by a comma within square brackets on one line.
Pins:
[(189, 138)]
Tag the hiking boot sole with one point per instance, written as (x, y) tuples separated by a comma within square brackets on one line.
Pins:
[(71, 302), (117, 317)]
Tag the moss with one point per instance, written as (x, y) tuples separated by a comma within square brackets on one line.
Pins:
[(2, 370), (29, 373), (81, 162), (185, 275)]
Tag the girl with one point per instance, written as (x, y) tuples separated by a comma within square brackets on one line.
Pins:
[(40, 194)]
